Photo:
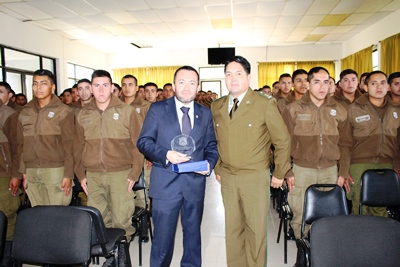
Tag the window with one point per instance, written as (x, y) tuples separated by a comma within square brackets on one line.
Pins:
[(17, 68), (375, 59), (77, 72)]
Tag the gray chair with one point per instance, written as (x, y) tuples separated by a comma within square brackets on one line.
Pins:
[(381, 188), (355, 240), (52, 235)]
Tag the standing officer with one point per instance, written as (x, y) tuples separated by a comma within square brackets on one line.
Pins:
[(246, 124)]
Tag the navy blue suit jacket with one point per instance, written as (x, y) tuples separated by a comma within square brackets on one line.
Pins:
[(160, 126)]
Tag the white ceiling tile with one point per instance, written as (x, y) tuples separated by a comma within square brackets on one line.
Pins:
[(161, 4), (57, 24), (288, 21), (179, 26), (311, 20), (100, 20), (319, 7), (243, 23), (158, 27), (303, 30), (27, 11), (194, 13), (270, 8), (105, 5), (117, 30), (219, 11), (342, 29), (99, 32), (78, 33), (78, 22), (355, 19), (138, 28), (330, 37), (392, 6), (52, 8), (295, 8), (170, 14), (145, 16), (133, 5), (375, 18), (217, 2), (347, 7), (122, 17), (296, 37), (244, 10), (282, 31), (12, 13), (265, 22), (323, 29), (78, 6), (372, 6), (186, 3), (200, 25)]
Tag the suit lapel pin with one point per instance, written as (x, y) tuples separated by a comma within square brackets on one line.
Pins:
[(248, 102), (197, 116)]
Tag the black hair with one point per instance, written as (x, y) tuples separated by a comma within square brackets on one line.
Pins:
[(187, 68), (393, 76), (44, 72), (130, 76), (241, 60), (298, 72), (101, 73), (372, 73), (84, 80), (315, 70), (347, 72), (151, 84), (7, 86)]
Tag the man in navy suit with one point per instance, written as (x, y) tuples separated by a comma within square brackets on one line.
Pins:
[(173, 192)]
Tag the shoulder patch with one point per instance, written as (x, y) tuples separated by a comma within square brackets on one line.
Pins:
[(265, 95)]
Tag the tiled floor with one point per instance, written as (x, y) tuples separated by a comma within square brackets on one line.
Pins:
[(213, 232)]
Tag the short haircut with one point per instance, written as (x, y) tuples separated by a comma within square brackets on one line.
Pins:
[(151, 84), (118, 87), (393, 76), (187, 68), (69, 90), (298, 72), (159, 90), (101, 73), (330, 77), (7, 86), (84, 80), (315, 70), (129, 76), (20, 94), (242, 61), (167, 84), (284, 75), (363, 75), (75, 86), (347, 72), (372, 73), (44, 72), (275, 83)]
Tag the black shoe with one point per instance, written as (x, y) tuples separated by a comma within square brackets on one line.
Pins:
[(301, 260), (145, 239), (290, 234), (110, 262)]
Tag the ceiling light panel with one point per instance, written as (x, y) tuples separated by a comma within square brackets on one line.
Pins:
[(270, 8), (333, 19), (78, 6), (170, 14), (27, 11), (295, 8), (319, 7), (146, 16), (122, 17), (221, 23), (219, 11), (244, 10), (52, 8)]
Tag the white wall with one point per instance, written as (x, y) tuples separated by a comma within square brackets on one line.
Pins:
[(24, 36)]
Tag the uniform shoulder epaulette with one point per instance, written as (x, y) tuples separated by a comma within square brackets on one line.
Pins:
[(264, 95)]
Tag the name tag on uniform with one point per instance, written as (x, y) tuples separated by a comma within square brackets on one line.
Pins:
[(363, 118), (303, 117)]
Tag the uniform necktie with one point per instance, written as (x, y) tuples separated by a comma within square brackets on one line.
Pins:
[(186, 125), (234, 108)]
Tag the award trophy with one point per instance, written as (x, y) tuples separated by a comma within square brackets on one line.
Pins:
[(185, 144)]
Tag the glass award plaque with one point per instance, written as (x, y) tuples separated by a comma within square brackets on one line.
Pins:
[(185, 144)]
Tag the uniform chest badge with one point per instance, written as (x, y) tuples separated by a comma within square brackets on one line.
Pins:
[(395, 115), (333, 112), (116, 116), (363, 118), (51, 114), (137, 110)]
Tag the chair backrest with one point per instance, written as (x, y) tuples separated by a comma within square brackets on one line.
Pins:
[(3, 232), (52, 235), (141, 183), (355, 240), (323, 200), (380, 188), (99, 232)]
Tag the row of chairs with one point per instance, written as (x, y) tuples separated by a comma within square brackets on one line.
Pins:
[(379, 188)]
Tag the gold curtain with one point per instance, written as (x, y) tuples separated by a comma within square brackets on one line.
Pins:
[(157, 75), (390, 54), (269, 72), (360, 62)]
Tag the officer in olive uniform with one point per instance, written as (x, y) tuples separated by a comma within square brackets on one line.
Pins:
[(246, 124)]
